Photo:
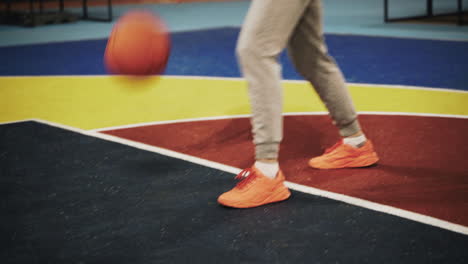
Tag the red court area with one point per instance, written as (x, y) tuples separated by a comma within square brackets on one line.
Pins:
[(423, 166)]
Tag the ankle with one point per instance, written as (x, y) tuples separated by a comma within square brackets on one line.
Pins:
[(269, 168), (357, 140)]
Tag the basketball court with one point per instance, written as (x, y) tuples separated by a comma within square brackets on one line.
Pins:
[(99, 168)]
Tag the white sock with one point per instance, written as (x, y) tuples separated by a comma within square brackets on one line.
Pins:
[(269, 169), (355, 141)]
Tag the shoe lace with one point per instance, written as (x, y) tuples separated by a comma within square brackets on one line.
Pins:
[(245, 177), (332, 148)]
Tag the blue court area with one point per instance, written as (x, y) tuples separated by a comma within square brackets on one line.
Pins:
[(363, 59)]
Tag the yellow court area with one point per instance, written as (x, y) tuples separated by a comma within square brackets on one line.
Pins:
[(92, 102)]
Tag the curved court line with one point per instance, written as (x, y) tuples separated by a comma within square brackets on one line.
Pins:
[(408, 87), (396, 86), (297, 187), (241, 79), (284, 114)]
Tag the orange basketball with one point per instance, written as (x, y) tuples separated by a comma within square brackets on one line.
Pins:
[(139, 44)]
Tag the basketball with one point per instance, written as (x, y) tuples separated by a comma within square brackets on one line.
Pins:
[(138, 44)]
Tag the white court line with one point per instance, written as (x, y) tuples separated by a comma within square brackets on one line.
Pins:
[(142, 146), (374, 35), (386, 114), (429, 220), (285, 114), (408, 87), (396, 86), (169, 122), (16, 121), (200, 77), (297, 187)]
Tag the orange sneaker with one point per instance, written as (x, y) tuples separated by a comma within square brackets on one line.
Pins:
[(345, 156), (255, 189)]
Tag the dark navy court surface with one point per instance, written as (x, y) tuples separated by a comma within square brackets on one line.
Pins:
[(71, 198), (363, 59)]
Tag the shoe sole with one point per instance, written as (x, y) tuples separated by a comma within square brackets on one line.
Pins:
[(360, 162), (278, 196)]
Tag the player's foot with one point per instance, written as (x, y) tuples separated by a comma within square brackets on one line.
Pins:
[(345, 156), (255, 189)]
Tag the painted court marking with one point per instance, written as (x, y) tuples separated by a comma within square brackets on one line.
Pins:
[(285, 114), (390, 86), (293, 186), (241, 79), (16, 121)]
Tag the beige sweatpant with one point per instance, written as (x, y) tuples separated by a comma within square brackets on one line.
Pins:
[(269, 27)]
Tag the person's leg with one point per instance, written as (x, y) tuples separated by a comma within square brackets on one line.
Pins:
[(264, 35), (309, 54)]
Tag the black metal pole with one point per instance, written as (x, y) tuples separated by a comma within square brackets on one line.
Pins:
[(109, 9), (460, 12), (31, 13), (386, 10), (7, 11), (8, 6), (429, 8), (85, 9)]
